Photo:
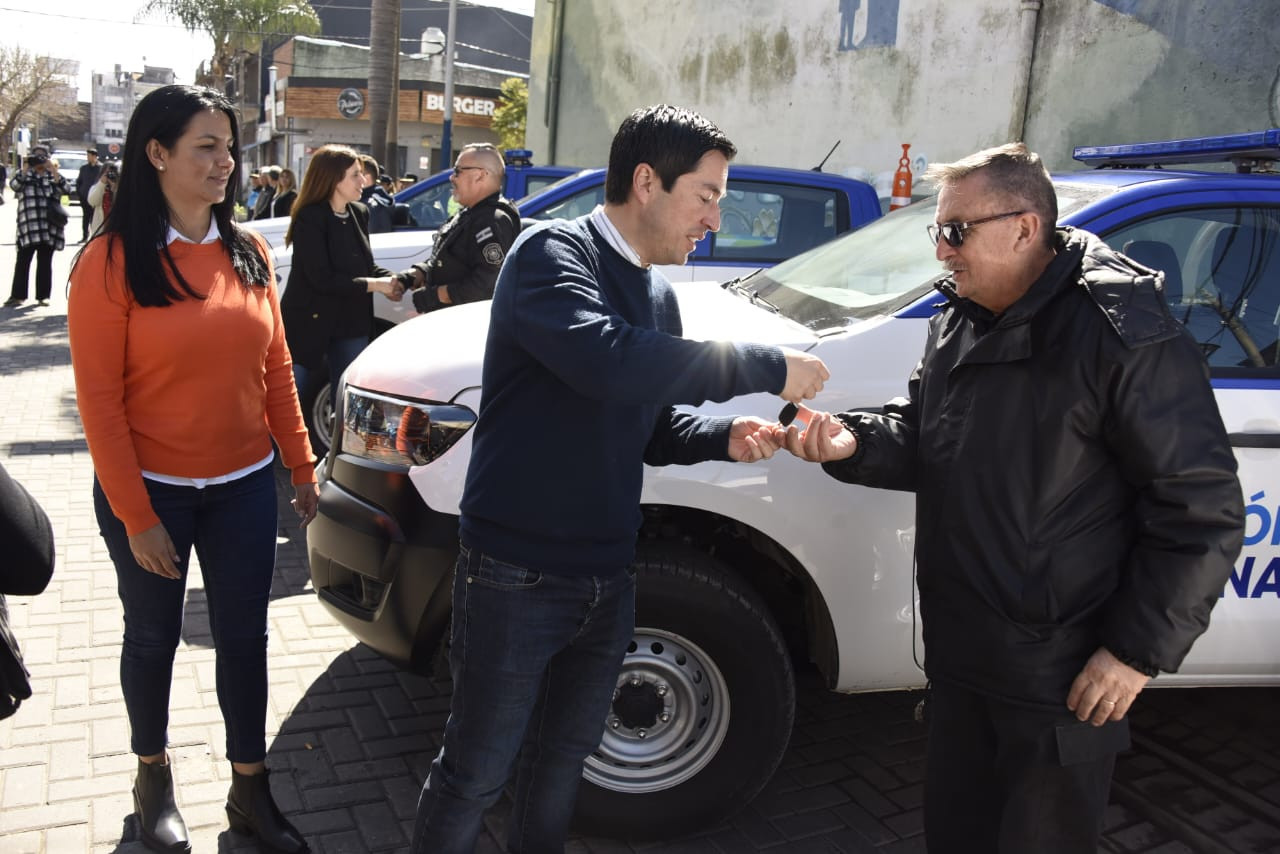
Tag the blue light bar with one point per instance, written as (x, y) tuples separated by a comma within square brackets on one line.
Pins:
[(1259, 145)]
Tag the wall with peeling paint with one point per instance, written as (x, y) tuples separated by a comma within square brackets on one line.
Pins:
[(786, 81)]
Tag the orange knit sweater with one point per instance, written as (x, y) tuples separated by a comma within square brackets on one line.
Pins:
[(193, 389)]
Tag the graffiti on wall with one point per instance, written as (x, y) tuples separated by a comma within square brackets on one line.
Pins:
[(868, 23)]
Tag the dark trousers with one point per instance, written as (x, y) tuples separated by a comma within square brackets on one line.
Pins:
[(535, 660), (340, 352), (1009, 779), (86, 219), (22, 271), (232, 527)]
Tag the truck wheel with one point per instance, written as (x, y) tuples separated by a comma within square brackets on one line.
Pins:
[(703, 708), (318, 412)]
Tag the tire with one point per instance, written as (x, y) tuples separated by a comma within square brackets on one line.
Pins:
[(317, 413), (704, 640)]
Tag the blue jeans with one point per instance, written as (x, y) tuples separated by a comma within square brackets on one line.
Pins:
[(232, 527), (340, 353), (535, 659)]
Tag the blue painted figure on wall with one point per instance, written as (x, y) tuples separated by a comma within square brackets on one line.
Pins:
[(848, 11), (880, 23)]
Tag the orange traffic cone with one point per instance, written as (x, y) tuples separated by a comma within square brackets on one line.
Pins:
[(902, 181)]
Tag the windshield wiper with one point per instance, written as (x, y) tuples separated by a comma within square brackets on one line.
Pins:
[(739, 287)]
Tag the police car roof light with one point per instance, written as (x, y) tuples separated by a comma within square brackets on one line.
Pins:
[(518, 157), (1257, 145)]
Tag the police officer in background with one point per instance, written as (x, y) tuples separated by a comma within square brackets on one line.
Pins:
[(469, 248)]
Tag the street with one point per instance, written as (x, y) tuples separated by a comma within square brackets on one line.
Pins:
[(350, 737)]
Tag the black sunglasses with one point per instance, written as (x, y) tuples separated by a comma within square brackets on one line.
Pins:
[(953, 232)]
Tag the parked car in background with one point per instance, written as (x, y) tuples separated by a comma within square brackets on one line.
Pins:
[(69, 163), (426, 204), (743, 569), (767, 215)]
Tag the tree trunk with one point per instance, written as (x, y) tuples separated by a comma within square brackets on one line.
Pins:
[(384, 29)]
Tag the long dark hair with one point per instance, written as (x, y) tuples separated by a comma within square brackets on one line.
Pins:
[(328, 166), (139, 216)]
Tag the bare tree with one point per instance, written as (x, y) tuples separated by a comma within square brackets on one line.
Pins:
[(384, 53), (32, 86)]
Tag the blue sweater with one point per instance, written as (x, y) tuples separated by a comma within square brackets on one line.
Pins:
[(583, 365)]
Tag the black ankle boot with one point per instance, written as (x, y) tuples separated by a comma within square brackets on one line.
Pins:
[(162, 826), (253, 812)]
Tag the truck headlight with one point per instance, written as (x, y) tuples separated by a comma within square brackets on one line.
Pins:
[(400, 432)]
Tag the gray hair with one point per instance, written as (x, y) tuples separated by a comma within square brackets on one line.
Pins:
[(1012, 171), (490, 157)]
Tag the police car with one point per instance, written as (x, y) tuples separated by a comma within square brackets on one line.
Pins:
[(743, 569)]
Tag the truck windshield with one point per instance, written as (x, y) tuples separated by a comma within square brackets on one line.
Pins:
[(879, 269)]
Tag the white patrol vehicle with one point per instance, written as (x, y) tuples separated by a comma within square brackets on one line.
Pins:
[(745, 569)]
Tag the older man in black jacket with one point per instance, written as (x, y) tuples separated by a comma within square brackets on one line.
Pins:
[(1077, 516), (470, 247)]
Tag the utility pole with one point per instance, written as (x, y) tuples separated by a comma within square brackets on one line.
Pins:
[(446, 138)]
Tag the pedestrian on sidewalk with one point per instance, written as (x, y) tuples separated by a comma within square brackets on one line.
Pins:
[(41, 220), (87, 177), (183, 378)]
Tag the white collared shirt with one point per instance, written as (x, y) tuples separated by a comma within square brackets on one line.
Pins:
[(614, 238), (213, 234)]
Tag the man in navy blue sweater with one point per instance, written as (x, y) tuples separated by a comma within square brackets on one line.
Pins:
[(583, 367)]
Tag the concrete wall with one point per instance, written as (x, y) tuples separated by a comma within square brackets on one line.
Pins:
[(786, 81)]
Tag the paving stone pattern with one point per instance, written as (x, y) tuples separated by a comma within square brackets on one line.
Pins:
[(351, 737)]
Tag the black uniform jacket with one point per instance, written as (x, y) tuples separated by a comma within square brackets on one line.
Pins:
[(470, 247), (1075, 486), (322, 299)]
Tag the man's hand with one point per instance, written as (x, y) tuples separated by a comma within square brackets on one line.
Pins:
[(426, 300), (752, 439), (306, 500), (154, 551), (1105, 688), (805, 376), (823, 440)]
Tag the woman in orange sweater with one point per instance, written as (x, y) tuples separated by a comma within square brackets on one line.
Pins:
[(183, 378)]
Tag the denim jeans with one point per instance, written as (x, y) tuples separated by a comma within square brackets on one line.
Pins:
[(535, 659), (232, 527), (340, 352)]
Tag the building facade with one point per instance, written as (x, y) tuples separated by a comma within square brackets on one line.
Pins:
[(789, 81), (321, 96), (114, 97)]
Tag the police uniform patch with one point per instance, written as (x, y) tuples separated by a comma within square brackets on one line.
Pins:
[(484, 234), (493, 254)]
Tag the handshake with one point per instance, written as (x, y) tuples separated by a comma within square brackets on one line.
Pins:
[(808, 434), (389, 286)]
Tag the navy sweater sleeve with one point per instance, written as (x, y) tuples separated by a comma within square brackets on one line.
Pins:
[(571, 303), (583, 365)]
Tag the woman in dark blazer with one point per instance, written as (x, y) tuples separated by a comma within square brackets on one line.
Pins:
[(286, 193), (328, 304)]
